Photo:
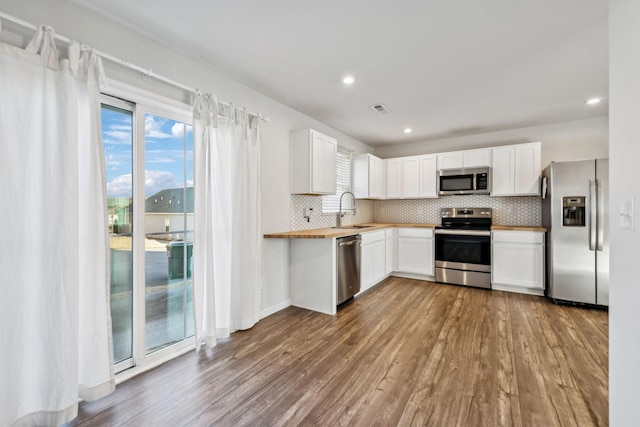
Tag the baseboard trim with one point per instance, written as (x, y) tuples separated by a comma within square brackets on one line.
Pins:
[(275, 308), (414, 276), (518, 289)]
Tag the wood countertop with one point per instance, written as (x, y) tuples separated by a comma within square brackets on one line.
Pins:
[(518, 228), (328, 233)]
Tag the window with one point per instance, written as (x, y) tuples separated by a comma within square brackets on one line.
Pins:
[(330, 204), (149, 159)]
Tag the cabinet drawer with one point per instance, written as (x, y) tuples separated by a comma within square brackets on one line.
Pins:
[(415, 232), (372, 236), (535, 237)]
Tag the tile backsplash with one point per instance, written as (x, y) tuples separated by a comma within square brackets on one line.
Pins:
[(364, 213), (506, 210)]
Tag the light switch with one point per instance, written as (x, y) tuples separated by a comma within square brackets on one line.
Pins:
[(627, 213)]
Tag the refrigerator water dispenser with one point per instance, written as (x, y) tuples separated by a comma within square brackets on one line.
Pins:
[(573, 211)]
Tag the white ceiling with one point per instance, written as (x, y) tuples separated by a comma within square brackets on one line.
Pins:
[(443, 67)]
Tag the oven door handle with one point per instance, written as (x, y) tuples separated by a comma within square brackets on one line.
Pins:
[(465, 232)]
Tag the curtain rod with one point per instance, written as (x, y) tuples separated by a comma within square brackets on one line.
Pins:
[(144, 72)]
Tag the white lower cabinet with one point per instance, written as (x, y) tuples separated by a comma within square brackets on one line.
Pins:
[(518, 261), (373, 259), (389, 251), (415, 251)]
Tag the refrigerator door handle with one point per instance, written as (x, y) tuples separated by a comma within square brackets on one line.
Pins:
[(600, 218), (593, 213)]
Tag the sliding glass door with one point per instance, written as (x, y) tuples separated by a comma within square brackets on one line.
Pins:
[(149, 160), (168, 227)]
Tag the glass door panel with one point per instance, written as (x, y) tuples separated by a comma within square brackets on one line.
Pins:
[(117, 136), (168, 225)]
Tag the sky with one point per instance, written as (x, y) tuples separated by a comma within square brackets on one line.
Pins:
[(164, 143)]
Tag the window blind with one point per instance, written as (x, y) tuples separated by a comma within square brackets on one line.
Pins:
[(330, 204)]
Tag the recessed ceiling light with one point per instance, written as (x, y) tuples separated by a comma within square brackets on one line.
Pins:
[(348, 80), (408, 130), (593, 101)]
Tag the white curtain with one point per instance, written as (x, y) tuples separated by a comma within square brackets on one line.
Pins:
[(55, 325), (227, 252)]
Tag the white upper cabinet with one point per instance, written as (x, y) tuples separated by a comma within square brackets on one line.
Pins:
[(313, 163), (451, 160), (476, 158), (395, 178), (369, 177), (428, 176), (516, 170), (411, 177), (465, 159), (527, 169), (503, 171)]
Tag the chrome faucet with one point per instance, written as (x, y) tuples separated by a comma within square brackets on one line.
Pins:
[(340, 213)]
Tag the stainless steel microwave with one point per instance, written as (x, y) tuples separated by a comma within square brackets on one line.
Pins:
[(464, 181)]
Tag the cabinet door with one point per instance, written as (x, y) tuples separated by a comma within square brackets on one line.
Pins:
[(366, 266), (415, 255), (453, 160), (428, 176), (394, 178), (527, 169), (503, 172), (379, 254), (388, 260), (411, 177), (476, 158), (323, 163), (377, 178), (518, 264)]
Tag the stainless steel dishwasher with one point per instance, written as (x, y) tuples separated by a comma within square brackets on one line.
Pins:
[(348, 260)]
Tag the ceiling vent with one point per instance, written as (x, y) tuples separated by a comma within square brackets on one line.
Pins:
[(380, 109)]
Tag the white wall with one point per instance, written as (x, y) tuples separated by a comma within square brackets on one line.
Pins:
[(74, 22), (624, 316), (574, 140)]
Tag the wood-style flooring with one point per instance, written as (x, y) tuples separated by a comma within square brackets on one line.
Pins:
[(405, 353)]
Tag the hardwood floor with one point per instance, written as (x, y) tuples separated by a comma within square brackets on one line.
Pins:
[(406, 353)]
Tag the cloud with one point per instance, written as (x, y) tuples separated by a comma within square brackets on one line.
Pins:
[(155, 181), (164, 156), (120, 186), (117, 137), (153, 127), (118, 132), (177, 130)]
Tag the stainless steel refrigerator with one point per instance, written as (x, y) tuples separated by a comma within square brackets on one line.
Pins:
[(575, 212)]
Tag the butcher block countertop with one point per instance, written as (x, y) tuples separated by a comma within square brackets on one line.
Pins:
[(517, 228), (328, 233)]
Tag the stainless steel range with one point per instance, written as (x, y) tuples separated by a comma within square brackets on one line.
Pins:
[(463, 247)]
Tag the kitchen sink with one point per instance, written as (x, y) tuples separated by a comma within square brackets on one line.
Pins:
[(352, 227)]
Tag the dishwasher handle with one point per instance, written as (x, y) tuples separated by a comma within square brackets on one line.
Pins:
[(351, 242)]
